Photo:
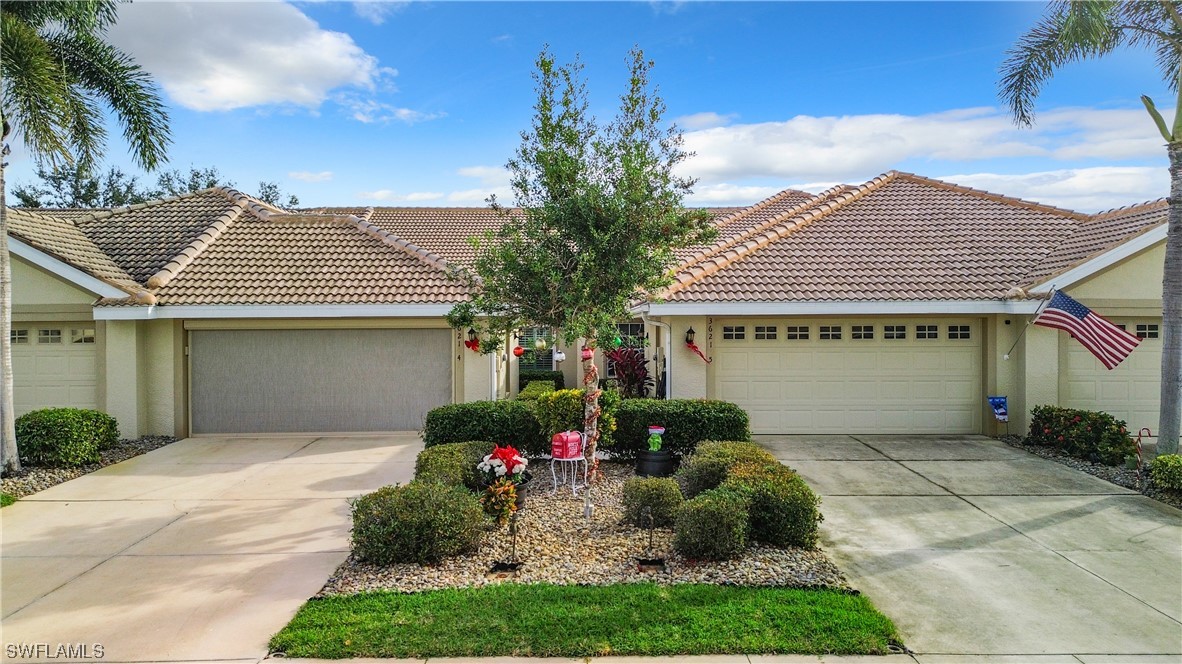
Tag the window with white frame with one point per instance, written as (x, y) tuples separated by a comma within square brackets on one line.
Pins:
[(765, 332), (796, 332), (734, 332), (49, 336), (862, 332), (82, 335), (18, 336), (830, 332), (894, 331), (535, 360), (631, 336), (1147, 331), (958, 332), (927, 332)]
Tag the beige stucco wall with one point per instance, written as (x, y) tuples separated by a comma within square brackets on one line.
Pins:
[(33, 286), (119, 391), (689, 376), (1130, 287), (161, 373), (1003, 377)]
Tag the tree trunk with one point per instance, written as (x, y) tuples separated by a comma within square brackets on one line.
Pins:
[(591, 410), (1171, 347), (9, 458)]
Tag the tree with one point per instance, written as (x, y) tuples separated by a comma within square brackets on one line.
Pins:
[(1083, 30), (269, 192), (176, 182), (600, 215), (57, 74)]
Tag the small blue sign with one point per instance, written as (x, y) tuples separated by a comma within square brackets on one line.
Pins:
[(1000, 410)]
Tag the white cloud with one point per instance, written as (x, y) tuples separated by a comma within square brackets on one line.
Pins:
[(841, 148), (222, 56), (308, 176), (707, 120), (391, 196), (502, 39), (480, 196), (1083, 189), (372, 111), (726, 194), (377, 11), (490, 175)]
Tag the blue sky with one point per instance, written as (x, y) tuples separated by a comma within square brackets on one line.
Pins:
[(421, 103)]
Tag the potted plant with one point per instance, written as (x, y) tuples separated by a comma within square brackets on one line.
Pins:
[(505, 466), (655, 462)]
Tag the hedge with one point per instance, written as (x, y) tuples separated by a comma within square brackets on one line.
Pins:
[(420, 522), (1085, 434), (659, 494), (535, 389), (64, 436), (687, 422), (506, 422), (453, 464), (713, 526), (783, 507), (1166, 471), (708, 466), (525, 377)]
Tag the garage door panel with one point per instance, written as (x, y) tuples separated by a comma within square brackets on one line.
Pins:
[(1130, 392), (894, 390), (51, 375), (286, 381), (929, 361)]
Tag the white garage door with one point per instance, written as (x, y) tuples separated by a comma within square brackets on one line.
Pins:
[(1131, 392), (262, 381), (852, 376), (53, 365)]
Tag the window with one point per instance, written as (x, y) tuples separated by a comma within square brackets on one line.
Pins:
[(830, 332), (958, 331), (863, 332), (631, 334), (49, 336), (82, 336), (796, 332), (535, 360), (1147, 331), (764, 332), (734, 332), (926, 332), (18, 336), (894, 331)]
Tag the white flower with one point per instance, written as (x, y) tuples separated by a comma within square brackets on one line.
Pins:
[(518, 469), (500, 470)]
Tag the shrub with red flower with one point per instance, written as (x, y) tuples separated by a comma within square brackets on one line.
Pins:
[(504, 462)]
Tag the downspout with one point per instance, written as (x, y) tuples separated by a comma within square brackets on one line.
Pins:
[(492, 384), (668, 348)]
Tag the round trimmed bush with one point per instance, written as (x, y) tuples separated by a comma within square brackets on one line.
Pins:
[(713, 526), (64, 436), (783, 507), (660, 494), (453, 464), (707, 468), (1166, 471), (420, 522)]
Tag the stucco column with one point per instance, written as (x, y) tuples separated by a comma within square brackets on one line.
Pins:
[(690, 376), (121, 377), (1040, 370)]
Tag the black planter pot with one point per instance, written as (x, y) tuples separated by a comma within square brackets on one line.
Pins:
[(655, 464), (523, 488)]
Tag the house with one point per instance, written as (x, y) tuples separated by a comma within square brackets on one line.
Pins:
[(888, 307)]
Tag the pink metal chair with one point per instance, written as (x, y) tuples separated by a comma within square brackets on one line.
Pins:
[(567, 452)]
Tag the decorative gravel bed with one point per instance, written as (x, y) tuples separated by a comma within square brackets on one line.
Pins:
[(556, 544), (30, 480), (1118, 475)]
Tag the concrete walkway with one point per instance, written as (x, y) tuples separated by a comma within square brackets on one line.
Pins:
[(200, 550), (976, 548)]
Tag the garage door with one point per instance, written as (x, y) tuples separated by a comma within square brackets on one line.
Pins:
[(53, 364), (259, 381), (1131, 391), (852, 376)]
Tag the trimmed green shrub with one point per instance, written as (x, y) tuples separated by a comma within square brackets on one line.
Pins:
[(1085, 434), (420, 522), (707, 467), (526, 377), (506, 422), (687, 422), (713, 526), (1166, 471), (660, 494), (64, 436), (535, 389), (453, 464), (783, 507), (560, 410)]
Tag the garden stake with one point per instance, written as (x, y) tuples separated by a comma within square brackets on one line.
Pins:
[(513, 538), (648, 514)]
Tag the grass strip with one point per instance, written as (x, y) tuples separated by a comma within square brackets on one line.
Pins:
[(541, 620), (6, 499)]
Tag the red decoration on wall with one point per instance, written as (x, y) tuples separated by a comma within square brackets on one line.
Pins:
[(694, 347), (518, 351), (473, 345)]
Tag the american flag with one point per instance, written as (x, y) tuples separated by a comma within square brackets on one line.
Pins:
[(1109, 343)]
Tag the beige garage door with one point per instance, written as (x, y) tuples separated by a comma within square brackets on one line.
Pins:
[(1131, 391), (262, 381), (53, 364), (852, 376)]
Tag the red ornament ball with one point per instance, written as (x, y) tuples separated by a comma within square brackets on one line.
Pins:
[(518, 351)]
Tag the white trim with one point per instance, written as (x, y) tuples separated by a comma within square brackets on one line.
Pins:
[(273, 311), (954, 307), (1104, 260), (64, 270)]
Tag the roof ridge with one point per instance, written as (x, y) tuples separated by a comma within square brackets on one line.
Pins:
[(1112, 212), (830, 200), (989, 195), (104, 214), (202, 242), (742, 212), (1025, 279), (434, 260), (258, 208)]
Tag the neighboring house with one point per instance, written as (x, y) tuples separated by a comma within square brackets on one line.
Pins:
[(883, 308)]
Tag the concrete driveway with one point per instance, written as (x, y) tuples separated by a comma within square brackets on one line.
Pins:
[(200, 550), (973, 547)]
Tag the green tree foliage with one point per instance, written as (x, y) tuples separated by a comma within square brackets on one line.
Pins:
[(600, 216), (58, 77), (1080, 30)]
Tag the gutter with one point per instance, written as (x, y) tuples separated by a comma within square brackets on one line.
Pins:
[(668, 346)]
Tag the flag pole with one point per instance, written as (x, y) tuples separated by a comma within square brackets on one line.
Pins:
[(1043, 305)]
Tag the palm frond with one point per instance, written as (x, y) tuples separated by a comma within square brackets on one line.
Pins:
[(34, 96)]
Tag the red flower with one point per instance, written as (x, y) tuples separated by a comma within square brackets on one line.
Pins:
[(508, 455)]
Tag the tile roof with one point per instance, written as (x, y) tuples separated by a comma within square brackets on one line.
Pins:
[(61, 239), (897, 237), (732, 222)]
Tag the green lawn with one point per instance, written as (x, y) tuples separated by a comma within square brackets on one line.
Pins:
[(6, 499), (581, 621)]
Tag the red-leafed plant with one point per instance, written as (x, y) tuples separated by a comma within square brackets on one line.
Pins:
[(631, 371)]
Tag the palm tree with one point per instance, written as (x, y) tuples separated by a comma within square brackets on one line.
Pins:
[(56, 76), (1083, 30)]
